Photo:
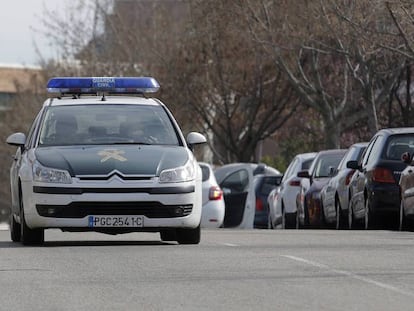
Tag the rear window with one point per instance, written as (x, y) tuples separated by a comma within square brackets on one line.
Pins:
[(269, 183), (397, 145), (306, 164), (325, 163)]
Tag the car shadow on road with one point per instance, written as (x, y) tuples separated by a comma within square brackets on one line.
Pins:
[(4, 244)]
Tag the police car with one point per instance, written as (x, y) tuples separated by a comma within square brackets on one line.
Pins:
[(102, 156)]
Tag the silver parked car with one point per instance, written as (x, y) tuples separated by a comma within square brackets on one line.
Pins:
[(282, 201), (335, 194)]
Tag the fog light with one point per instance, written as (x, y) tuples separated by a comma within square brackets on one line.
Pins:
[(179, 211)]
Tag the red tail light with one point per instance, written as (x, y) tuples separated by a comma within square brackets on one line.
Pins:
[(383, 175), (294, 183), (259, 204), (215, 193), (348, 177)]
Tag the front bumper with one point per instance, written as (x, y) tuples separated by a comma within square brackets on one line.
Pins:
[(175, 205)]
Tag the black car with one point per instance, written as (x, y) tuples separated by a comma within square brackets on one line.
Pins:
[(263, 184), (376, 190)]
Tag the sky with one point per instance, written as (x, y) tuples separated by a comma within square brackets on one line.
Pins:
[(18, 19)]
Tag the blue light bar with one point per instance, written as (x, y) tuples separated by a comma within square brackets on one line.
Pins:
[(93, 85)]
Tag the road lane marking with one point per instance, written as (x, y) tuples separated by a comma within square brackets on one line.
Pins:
[(351, 275), (230, 244)]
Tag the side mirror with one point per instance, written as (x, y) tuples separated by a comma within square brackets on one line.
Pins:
[(406, 158), (16, 139), (194, 138), (303, 174), (353, 165)]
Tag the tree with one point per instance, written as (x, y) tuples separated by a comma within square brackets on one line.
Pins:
[(333, 68), (237, 93)]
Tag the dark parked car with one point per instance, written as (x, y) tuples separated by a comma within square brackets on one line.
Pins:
[(320, 172), (263, 185), (335, 195), (377, 191)]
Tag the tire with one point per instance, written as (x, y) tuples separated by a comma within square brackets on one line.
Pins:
[(283, 217), (29, 236), (404, 223), (189, 236), (338, 224), (168, 235), (368, 219), (350, 217), (15, 230), (297, 225), (270, 222)]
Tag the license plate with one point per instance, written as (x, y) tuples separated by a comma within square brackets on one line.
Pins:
[(116, 221)]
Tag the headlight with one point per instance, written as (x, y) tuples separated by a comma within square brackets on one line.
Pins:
[(179, 174), (47, 174)]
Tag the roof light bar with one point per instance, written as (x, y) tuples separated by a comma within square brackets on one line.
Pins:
[(93, 85)]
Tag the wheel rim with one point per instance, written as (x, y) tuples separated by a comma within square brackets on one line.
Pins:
[(350, 217), (283, 218), (366, 218), (401, 215)]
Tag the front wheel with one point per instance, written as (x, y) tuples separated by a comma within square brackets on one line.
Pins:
[(350, 217), (168, 235), (15, 231), (29, 236), (368, 219), (189, 236), (338, 211)]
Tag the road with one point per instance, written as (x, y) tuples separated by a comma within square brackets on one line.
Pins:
[(229, 270)]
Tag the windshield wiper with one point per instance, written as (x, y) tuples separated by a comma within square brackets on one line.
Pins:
[(130, 143)]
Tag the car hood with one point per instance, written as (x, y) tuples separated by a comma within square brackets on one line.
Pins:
[(103, 160)]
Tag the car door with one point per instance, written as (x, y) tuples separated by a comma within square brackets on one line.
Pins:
[(239, 197), (17, 163), (358, 199)]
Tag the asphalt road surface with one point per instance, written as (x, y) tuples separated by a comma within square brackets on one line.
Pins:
[(229, 270)]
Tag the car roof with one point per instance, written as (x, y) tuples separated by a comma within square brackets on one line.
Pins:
[(332, 151), (93, 100), (397, 130), (304, 156), (361, 144)]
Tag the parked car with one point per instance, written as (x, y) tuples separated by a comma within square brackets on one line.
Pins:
[(264, 184), (335, 194), (282, 200), (212, 214), (377, 192), (406, 219), (318, 175), (239, 183)]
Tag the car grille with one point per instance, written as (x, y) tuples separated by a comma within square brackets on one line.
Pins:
[(83, 209)]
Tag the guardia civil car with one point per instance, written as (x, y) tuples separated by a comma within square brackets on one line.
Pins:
[(96, 159)]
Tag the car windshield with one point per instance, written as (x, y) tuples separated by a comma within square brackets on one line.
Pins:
[(326, 163), (106, 124)]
